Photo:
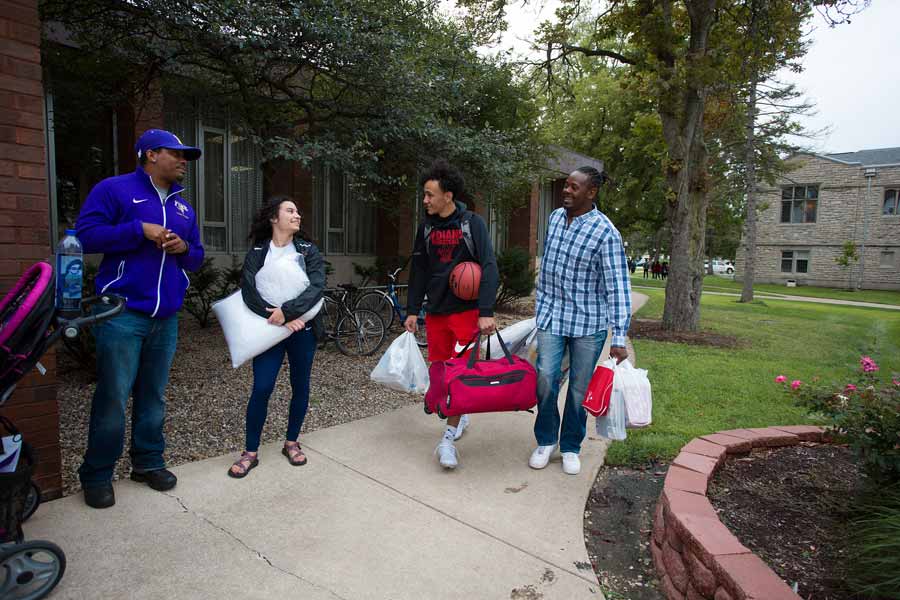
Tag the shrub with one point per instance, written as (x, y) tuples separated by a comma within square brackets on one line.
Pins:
[(209, 284), (516, 275), (875, 545), (376, 274), (865, 410)]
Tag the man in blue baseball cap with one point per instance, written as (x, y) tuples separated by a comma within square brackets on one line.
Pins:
[(149, 238)]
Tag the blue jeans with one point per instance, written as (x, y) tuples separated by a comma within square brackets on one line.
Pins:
[(300, 348), (583, 355), (134, 354)]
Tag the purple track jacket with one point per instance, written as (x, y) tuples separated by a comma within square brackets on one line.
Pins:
[(110, 222)]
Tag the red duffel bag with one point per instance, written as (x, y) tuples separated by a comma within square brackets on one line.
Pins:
[(468, 385)]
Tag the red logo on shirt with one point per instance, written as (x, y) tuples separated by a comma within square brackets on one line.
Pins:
[(445, 242)]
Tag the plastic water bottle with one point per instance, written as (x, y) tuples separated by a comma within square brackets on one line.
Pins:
[(69, 274)]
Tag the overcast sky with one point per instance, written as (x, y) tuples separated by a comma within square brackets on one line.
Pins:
[(852, 73)]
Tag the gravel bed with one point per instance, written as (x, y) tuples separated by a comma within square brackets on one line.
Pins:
[(206, 399)]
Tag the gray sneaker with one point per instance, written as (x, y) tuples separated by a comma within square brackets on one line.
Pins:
[(446, 452)]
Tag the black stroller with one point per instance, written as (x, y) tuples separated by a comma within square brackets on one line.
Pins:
[(29, 326)]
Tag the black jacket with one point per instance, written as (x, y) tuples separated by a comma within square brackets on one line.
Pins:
[(432, 264), (315, 270)]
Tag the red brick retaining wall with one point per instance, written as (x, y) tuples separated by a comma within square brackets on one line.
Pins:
[(696, 556)]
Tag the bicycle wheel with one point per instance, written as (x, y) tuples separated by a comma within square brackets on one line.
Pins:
[(379, 303), (330, 314), (359, 333)]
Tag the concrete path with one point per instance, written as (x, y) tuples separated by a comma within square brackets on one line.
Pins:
[(371, 516), (769, 296)]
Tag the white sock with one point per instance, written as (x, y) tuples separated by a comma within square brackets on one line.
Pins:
[(450, 432)]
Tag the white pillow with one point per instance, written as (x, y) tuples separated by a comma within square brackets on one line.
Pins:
[(248, 334), (281, 280)]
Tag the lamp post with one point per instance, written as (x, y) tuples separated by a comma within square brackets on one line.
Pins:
[(870, 175)]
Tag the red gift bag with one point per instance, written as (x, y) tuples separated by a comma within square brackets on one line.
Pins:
[(596, 400)]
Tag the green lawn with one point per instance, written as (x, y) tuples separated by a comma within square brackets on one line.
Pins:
[(714, 283), (699, 390)]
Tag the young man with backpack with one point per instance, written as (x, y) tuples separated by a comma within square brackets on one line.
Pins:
[(449, 235)]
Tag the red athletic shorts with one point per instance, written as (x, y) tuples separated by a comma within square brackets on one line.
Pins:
[(448, 334)]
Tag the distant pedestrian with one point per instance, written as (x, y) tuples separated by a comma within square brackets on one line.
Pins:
[(664, 270), (646, 268), (657, 269)]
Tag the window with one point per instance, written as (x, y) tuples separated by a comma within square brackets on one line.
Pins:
[(497, 228), (225, 186), (344, 217), (891, 199), (795, 261), (799, 203), (887, 260)]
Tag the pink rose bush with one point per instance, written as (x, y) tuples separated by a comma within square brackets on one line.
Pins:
[(866, 412)]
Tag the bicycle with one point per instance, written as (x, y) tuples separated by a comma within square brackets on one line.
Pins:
[(356, 332), (386, 303)]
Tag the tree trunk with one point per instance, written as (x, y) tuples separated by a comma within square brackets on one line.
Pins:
[(682, 121), (749, 241), (688, 219)]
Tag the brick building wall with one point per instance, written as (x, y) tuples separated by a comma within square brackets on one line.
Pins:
[(25, 217), (846, 211)]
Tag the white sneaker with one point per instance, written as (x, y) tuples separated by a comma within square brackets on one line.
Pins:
[(541, 456), (446, 452), (463, 423), (571, 463)]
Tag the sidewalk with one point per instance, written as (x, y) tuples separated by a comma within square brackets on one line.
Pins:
[(770, 296), (371, 516)]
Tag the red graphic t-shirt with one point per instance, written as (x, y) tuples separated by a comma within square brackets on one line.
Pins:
[(444, 242)]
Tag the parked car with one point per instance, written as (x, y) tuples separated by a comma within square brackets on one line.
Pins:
[(720, 267)]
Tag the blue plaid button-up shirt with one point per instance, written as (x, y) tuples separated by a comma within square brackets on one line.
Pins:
[(584, 283)]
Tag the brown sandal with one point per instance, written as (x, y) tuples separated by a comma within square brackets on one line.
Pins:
[(246, 463), (294, 454)]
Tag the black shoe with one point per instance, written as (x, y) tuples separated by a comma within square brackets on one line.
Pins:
[(160, 479), (100, 497)]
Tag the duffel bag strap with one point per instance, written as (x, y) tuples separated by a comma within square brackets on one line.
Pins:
[(473, 357)]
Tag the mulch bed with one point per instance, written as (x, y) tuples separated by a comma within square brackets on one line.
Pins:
[(649, 329), (791, 507), (618, 521)]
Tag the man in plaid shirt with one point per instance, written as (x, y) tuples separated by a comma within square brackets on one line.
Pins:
[(583, 290)]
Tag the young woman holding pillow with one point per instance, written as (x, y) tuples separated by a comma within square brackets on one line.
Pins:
[(276, 235)]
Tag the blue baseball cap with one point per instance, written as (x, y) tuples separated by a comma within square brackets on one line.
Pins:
[(160, 138)]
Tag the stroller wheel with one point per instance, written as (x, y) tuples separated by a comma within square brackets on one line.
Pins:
[(427, 410), (32, 501), (440, 412), (29, 571)]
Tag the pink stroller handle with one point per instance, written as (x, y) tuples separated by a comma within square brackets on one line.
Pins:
[(44, 274)]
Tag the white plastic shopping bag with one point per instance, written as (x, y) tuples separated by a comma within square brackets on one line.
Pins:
[(402, 367), (637, 394), (612, 425)]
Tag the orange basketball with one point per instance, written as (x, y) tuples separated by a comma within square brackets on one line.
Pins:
[(465, 279)]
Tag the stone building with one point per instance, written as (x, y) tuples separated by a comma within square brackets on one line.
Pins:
[(825, 201)]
